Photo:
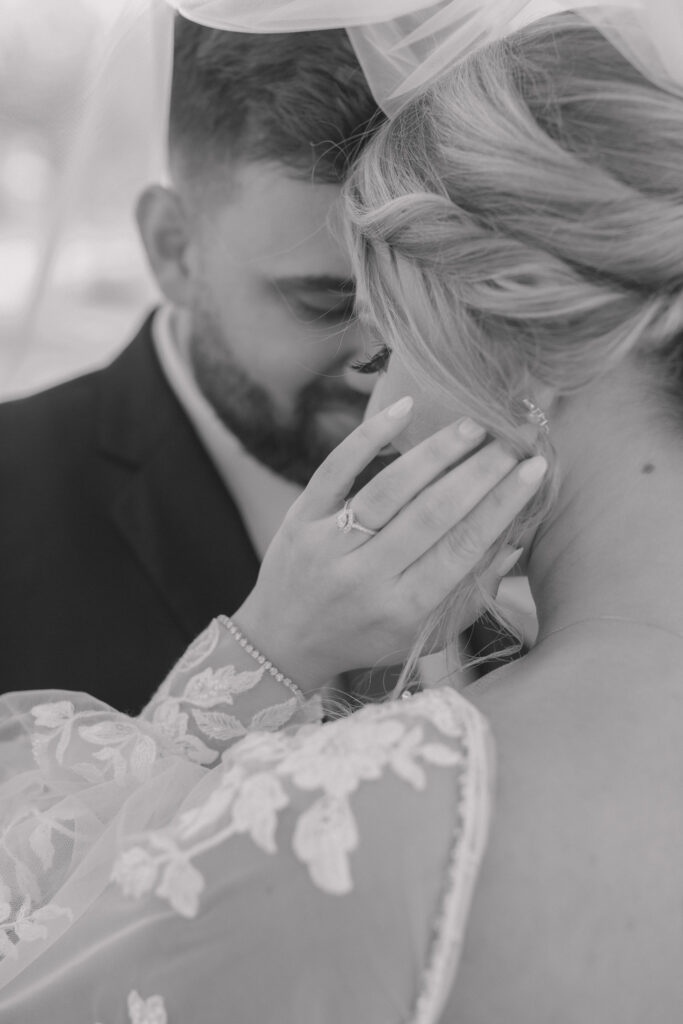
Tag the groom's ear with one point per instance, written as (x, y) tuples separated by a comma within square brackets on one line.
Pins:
[(166, 235)]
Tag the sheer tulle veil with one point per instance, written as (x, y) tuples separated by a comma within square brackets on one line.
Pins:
[(402, 45), (405, 44)]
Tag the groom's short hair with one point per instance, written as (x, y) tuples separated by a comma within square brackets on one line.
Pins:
[(298, 98)]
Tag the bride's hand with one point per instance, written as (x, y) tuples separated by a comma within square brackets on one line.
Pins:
[(328, 601)]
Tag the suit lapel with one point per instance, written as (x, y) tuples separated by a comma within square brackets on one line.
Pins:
[(164, 496)]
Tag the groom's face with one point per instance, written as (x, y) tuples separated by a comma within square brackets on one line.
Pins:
[(273, 319)]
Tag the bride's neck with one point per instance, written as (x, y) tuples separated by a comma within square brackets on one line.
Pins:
[(612, 546)]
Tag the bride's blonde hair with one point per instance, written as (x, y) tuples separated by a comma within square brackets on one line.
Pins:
[(522, 223)]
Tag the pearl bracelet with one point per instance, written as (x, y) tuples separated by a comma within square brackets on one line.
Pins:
[(242, 640)]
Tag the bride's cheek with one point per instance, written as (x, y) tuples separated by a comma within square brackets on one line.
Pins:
[(380, 398), (392, 382)]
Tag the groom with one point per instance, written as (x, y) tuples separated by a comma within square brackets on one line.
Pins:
[(137, 500)]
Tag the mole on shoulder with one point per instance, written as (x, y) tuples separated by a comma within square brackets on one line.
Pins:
[(649, 467)]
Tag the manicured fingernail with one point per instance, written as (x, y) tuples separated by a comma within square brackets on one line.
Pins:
[(531, 471), (510, 562), (400, 408), (471, 430)]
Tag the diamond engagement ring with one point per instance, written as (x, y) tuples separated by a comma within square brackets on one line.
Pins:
[(346, 521)]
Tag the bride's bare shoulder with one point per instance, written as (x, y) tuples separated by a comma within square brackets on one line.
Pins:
[(576, 916)]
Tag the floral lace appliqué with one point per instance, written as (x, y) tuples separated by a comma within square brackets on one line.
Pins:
[(146, 1011), (197, 714), (200, 649), (198, 710), (255, 784), (26, 925), (123, 749), (92, 746)]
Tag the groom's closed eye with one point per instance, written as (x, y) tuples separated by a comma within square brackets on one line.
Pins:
[(318, 298)]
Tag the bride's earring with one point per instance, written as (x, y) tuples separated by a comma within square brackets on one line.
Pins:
[(536, 415)]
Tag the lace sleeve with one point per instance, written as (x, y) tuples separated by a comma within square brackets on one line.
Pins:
[(217, 693), (319, 873)]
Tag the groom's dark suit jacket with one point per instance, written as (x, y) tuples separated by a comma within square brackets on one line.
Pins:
[(118, 539)]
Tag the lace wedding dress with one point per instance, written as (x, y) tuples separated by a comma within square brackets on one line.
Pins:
[(231, 859)]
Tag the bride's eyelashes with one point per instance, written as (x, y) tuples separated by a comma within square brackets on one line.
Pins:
[(377, 362)]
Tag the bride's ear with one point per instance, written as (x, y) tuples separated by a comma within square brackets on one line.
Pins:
[(166, 236)]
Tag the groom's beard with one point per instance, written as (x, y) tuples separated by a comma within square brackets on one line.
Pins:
[(326, 410)]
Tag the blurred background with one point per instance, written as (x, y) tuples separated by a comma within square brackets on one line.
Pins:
[(51, 54)]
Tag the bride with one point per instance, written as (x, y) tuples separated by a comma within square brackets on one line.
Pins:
[(232, 857)]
